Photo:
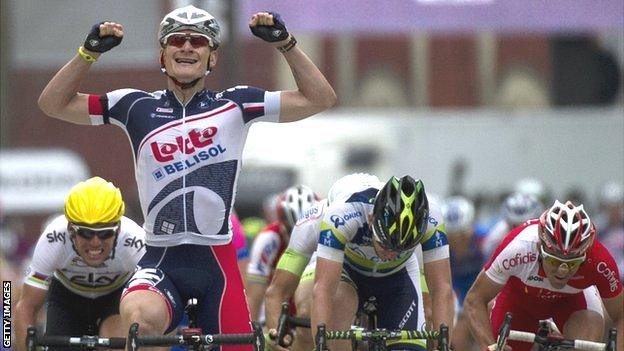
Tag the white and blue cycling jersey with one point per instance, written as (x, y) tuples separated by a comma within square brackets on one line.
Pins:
[(346, 236), (187, 157)]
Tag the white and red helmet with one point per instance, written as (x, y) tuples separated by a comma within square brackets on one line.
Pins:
[(565, 230), (293, 203)]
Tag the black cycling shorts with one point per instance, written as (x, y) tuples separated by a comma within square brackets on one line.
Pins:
[(69, 314)]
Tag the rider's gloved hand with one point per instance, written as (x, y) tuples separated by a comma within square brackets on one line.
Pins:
[(98, 41), (268, 26)]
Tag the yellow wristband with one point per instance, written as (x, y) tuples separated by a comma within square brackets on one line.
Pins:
[(82, 53)]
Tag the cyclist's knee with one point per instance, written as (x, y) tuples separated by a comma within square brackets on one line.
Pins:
[(112, 327), (147, 308), (584, 324)]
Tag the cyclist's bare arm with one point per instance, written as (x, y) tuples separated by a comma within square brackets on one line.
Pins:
[(255, 295), (483, 290), (326, 279), (282, 288), (314, 93), (28, 305), (615, 308), (438, 275), (60, 98)]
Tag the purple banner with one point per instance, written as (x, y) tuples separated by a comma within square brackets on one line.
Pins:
[(403, 16)]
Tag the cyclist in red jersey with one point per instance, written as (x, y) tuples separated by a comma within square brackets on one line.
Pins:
[(549, 267), (187, 142)]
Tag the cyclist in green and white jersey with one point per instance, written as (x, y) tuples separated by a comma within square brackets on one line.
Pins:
[(370, 239)]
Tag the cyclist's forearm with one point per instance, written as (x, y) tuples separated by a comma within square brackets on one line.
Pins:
[(273, 305), (443, 308), (619, 325), (310, 81), (63, 87), (479, 321), (24, 317)]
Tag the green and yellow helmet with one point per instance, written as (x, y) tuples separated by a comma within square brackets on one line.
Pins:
[(94, 201), (400, 213)]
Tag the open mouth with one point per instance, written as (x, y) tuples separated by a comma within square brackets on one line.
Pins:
[(188, 61), (95, 253)]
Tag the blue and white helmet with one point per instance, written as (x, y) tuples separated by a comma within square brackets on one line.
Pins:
[(459, 214), (190, 18), (520, 207), (352, 183)]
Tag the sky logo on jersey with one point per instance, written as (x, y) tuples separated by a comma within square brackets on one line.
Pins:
[(164, 152)]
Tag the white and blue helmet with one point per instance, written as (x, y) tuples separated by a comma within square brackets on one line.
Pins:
[(520, 207), (459, 214)]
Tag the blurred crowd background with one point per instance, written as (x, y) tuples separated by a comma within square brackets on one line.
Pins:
[(479, 98)]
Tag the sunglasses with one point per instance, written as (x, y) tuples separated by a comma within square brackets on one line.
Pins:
[(555, 261), (88, 232), (179, 39)]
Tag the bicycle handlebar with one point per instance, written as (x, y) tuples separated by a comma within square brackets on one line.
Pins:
[(577, 344), (505, 333), (363, 335), (87, 341)]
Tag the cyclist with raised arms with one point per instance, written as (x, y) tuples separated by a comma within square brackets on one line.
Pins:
[(80, 265), (294, 274), (548, 267), (187, 142), (271, 242), (370, 240)]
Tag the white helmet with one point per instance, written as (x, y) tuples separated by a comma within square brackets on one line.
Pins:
[(533, 187), (350, 184), (458, 213), (293, 203), (519, 207), (611, 193), (565, 230), (190, 18)]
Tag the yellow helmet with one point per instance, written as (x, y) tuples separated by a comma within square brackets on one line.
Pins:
[(94, 201)]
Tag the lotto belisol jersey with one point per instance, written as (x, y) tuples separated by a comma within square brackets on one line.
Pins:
[(55, 255), (345, 236), (187, 157), (266, 249), (515, 263)]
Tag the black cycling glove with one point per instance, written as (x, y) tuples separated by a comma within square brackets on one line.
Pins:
[(94, 43), (276, 32)]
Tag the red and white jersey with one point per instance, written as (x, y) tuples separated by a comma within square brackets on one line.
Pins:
[(515, 263), (266, 250)]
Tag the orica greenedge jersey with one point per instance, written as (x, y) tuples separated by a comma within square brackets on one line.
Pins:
[(187, 157), (55, 255), (345, 236)]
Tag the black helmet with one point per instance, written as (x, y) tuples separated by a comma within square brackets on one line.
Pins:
[(400, 213)]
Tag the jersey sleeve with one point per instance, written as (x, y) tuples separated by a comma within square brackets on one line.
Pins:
[(335, 233), (606, 271), (264, 253), (498, 267), (435, 243), (113, 106), (256, 104), (133, 244), (47, 256)]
